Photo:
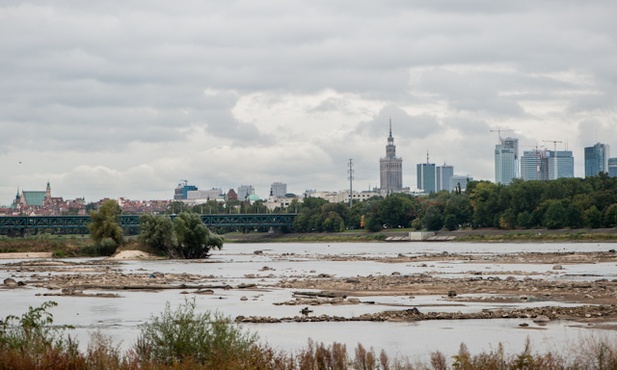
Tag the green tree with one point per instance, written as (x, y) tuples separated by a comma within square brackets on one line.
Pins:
[(157, 232), (555, 215), (610, 216), (194, 239), (105, 223), (432, 220), (397, 210), (593, 217)]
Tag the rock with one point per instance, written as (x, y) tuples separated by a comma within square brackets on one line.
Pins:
[(451, 293), (558, 267), (10, 282), (354, 300), (324, 276), (396, 273), (523, 325), (541, 319), (244, 298), (305, 311), (258, 252)]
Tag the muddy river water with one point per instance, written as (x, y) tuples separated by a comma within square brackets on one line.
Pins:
[(276, 281)]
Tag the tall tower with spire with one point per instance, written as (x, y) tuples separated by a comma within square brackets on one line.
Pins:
[(391, 168)]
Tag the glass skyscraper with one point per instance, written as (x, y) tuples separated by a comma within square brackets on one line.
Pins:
[(596, 159), (442, 176), (506, 160), (426, 177), (612, 167)]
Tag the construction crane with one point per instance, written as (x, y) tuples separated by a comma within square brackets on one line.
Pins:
[(499, 131), (554, 143)]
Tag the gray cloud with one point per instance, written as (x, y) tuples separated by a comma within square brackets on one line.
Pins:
[(153, 90)]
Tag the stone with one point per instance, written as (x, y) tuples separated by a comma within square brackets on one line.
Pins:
[(451, 293), (244, 298), (541, 319), (558, 267), (10, 282)]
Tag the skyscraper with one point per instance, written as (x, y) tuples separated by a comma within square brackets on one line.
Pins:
[(278, 189), (612, 167), (391, 168), (442, 176), (560, 164), (426, 176), (534, 165), (596, 159), (506, 160)]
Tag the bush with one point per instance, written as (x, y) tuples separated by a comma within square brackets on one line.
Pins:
[(183, 334)]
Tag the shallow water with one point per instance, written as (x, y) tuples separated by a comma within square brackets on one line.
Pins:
[(236, 263)]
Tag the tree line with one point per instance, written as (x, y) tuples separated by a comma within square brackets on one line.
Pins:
[(562, 203)]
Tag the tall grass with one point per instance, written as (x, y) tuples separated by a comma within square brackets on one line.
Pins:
[(184, 339)]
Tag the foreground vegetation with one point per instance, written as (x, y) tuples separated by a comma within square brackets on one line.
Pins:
[(185, 339)]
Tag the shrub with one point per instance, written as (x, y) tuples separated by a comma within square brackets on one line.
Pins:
[(181, 335)]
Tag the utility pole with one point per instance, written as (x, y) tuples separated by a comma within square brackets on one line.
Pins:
[(350, 172)]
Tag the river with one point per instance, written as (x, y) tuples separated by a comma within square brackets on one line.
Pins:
[(238, 263)]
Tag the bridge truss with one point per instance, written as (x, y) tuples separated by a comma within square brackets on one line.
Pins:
[(20, 225)]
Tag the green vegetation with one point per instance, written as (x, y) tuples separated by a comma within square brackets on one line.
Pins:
[(557, 204), (185, 339), (105, 225), (185, 236)]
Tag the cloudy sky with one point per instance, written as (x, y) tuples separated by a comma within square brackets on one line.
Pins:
[(128, 98)]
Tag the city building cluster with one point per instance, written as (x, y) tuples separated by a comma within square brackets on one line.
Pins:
[(41, 203), (536, 164), (544, 164)]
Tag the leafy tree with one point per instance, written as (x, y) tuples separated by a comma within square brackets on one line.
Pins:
[(432, 220), (158, 232), (574, 216), (610, 216), (593, 217), (524, 219), (194, 239), (105, 223), (176, 207), (397, 210), (555, 215), (450, 222)]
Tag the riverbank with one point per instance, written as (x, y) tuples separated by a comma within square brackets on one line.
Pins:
[(603, 235)]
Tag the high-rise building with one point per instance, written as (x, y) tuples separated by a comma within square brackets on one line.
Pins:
[(612, 167), (244, 191), (560, 164), (278, 189), (391, 168), (426, 176), (182, 190), (596, 159), (547, 164), (459, 181), (506, 160), (443, 175), (534, 165)]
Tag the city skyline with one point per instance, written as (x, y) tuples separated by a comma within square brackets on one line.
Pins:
[(118, 99)]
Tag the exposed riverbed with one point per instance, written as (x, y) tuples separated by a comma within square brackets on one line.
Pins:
[(407, 298)]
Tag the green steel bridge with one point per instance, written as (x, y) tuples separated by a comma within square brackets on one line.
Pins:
[(21, 225)]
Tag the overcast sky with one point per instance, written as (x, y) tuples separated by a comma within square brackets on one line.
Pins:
[(128, 98)]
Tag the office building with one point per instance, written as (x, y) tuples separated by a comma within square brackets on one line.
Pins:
[(278, 189), (244, 191), (560, 164), (534, 165), (426, 177), (596, 159), (506, 160), (391, 168), (182, 190), (443, 175), (457, 181), (612, 167)]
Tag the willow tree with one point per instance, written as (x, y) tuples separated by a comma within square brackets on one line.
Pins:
[(105, 223)]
